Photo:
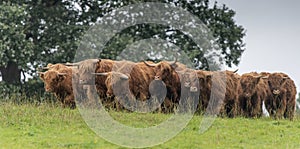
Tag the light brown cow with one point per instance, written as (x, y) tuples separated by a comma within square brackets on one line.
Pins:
[(129, 82), (59, 82), (86, 74)]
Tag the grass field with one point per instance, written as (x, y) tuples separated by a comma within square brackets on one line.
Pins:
[(50, 126)]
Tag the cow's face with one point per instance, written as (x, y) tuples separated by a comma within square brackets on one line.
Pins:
[(248, 84), (275, 82), (51, 79), (164, 70), (86, 70), (192, 82), (116, 83)]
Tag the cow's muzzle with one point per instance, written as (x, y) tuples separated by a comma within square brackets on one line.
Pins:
[(276, 92), (193, 89), (157, 78)]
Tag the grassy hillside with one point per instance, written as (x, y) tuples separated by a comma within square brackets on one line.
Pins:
[(50, 126)]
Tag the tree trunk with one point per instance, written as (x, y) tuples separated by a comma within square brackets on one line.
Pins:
[(11, 74)]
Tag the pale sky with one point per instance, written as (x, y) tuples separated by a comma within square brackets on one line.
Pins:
[(272, 37)]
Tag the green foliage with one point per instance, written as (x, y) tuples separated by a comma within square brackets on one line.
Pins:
[(49, 126), (25, 93), (37, 32), (14, 46), (227, 34)]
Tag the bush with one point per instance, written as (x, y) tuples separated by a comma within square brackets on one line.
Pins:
[(31, 91)]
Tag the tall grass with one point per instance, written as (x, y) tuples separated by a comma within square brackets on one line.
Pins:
[(48, 125)]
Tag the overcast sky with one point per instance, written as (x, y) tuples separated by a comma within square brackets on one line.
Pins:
[(272, 37)]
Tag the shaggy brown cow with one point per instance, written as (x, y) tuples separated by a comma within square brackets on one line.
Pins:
[(199, 84), (218, 92), (254, 91), (60, 83), (86, 75), (230, 104), (130, 82), (167, 72), (222, 89), (281, 102), (190, 90)]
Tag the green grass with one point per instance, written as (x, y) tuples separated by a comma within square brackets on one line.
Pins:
[(50, 126)]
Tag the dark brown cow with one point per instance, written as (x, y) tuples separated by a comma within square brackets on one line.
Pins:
[(167, 72), (59, 82), (281, 102), (230, 104), (254, 91), (129, 82), (218, 92)]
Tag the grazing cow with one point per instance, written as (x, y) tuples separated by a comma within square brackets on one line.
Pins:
[(281, 102), (128, 82), (254, 91), (167, 72), (60, 83)]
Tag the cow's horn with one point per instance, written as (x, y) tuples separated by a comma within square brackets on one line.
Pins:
[(236, 71), (95, 61), (71, 64), (100, 74), (123, 76), (45, 67), (265, 77), (148, 64), (285, 77), (61, 74), (40, 72), (173, 63), (259, 76)]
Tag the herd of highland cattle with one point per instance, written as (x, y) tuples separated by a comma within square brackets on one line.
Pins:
[(173, 84)]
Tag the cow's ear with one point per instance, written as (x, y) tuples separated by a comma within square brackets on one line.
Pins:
[(257, 78), (208, 77), (284, 79), (42, 75), (174, 65), (124, 76)]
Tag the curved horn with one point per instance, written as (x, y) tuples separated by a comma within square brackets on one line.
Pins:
[(95, 61), (71, 64), (150, 65), (259, 76), (236, 71), (40, 72), (101, 74), (285, 77), (173, 63), (124, 77), (46, 68), (265, 77), (61, 74)]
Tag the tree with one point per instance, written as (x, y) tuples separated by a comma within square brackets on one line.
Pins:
[(219, 19), (36, 32), (15, 50)]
